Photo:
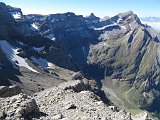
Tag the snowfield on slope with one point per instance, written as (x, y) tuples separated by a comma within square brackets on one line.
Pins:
[(11, 54), (34, 26)]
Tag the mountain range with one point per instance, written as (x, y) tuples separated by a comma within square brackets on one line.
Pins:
[(120, 53)]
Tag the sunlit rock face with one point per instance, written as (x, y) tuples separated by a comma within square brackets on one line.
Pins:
[(119, 48)]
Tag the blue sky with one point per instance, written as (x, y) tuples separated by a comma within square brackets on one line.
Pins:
[(101, 8)]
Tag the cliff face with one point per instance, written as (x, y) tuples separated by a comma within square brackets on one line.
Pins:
[(31, 61), (120, 48)]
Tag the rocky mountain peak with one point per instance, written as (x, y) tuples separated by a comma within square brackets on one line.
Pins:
[(92, 18), (91, 15), (2, 5), (127, 17), (126, 14)]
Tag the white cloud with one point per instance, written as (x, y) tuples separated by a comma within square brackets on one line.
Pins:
[(155, 25)]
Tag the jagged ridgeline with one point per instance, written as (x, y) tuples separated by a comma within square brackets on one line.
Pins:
[(120, 53)]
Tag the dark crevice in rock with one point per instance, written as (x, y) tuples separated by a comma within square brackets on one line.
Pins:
[(35, 115)]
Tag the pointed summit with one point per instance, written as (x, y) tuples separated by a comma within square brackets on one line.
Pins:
[(128, 17), (92, 16), (15, 12)]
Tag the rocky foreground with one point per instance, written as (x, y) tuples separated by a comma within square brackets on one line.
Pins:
[(73, 100)]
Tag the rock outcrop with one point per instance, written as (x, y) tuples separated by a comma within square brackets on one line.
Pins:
[(8, 91)]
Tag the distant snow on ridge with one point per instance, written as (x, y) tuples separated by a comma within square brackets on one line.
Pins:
[(152, 21)]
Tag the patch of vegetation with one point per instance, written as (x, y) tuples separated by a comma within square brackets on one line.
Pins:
[(135, 111)]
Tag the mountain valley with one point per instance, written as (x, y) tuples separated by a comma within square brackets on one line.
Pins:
[(106, 64)]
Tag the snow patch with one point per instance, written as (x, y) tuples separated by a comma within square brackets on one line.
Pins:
[(39, 49), (123, 27), (51, 65), (34, 26), (53, 39), (119, 20), (103, 44), (16, 15), (11, 54), (104, 27)]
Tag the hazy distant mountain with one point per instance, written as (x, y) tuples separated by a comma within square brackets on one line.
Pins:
[(150, 19)]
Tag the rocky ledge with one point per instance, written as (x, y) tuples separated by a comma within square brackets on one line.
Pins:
[(71, 100)]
